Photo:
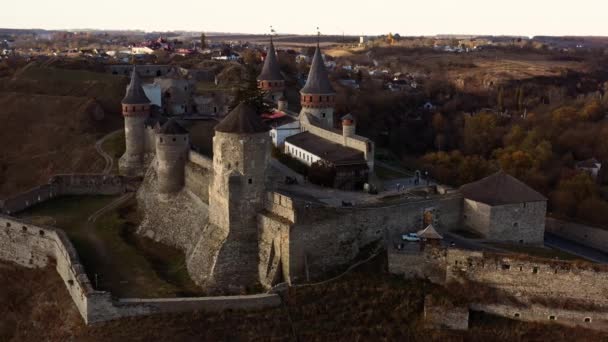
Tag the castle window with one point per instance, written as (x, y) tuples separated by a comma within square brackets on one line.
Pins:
[(587, 319), (41, 233), (506, 267), (552, 317), (525, 205), (320, 98), (173, 139), (516, 315), (24, 228), (250, 181), (323, 114), (161, 140), (515, 224), (535, 270)]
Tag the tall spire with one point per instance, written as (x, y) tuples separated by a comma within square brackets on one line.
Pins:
[(271, 70), (135, 92), (318, 37), (318, 80)]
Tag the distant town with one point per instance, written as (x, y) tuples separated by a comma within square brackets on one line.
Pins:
[(298, 187)]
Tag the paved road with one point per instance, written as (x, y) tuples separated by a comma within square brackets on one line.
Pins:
[(577, 249)]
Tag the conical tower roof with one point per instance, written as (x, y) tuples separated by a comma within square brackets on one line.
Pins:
[(242, 120), (135, 93), (171, 127), (271, 70), (318, 80), (429, 233)]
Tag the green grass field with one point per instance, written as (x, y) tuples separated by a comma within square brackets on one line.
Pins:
[(115, 258)]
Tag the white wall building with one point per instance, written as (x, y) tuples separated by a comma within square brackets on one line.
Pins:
[(154, 93)]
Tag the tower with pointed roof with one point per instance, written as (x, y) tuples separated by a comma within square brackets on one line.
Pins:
[(241, 154), (318, 96), (172, 144), (135, 110), (270, 79)]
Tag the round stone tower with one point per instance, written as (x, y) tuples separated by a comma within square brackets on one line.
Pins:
[(282, 104), (241, 154), (172, 144), (348, 126), (318, 97), (270, 79), (135, 109)]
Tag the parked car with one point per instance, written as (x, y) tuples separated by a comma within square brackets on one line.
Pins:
[(411, 237)]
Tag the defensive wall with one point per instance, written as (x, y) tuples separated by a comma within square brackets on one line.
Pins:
[(199, 170), (68, 184), (593, 237), (36, 246), (355, 142), (143, 70), (521, 287), (322, 237)]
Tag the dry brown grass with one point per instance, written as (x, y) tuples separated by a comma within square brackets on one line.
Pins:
[(359, 307), (48, 125)]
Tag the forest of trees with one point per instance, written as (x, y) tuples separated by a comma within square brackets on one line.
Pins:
[(535, 130)]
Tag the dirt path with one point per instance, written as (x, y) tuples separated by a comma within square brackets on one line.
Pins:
[(109, 160), (89, 227)]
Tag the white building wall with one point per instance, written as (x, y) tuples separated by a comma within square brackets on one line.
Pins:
[(301, 154), (279, 134), (153, 92)]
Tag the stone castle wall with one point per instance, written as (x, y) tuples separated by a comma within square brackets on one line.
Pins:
[(518, 222), (521, 222), (142, 70), (36, 246), (356, 142), (198, 173), (586, 235), (531, 277), (543, 314), (323, 238), (61, 185), (531, 289)]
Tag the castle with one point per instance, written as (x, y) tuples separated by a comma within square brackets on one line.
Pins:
[(237, 222)]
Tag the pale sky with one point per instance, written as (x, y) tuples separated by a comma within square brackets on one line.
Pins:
[(406, 17)]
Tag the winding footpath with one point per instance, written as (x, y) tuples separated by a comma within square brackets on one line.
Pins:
[(89, 227), (109, 160)]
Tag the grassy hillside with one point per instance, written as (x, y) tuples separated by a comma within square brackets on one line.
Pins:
[(49, 126), (359, 307), (44, 135)]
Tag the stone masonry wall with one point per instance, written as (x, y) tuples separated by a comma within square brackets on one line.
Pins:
[(586, 235), (528, 277), (542, 314), (323, 238), (197, 181), (531, 289), (520, 222), (69, 184), (35, 246)]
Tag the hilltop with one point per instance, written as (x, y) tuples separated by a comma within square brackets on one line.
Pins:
[(51, 119)]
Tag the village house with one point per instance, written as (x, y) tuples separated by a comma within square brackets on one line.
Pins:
[(592, 166)]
